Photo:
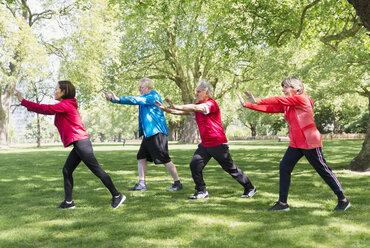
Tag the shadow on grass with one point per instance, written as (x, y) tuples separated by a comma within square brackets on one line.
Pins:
[(32, 188)]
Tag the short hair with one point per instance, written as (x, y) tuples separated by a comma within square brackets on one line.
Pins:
[(295, 83), (68, 88), (148, 82), (206, 87)]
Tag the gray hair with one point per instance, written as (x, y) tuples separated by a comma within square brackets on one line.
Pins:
[(206, 87), (148, 82), (295, 83)]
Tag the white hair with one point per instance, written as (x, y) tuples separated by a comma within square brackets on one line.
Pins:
[(206, 87), (148, 82), (295, 83)]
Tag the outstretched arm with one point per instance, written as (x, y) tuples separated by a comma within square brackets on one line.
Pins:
[(188, 107), (260, 108), (169, 109), (45, 109)]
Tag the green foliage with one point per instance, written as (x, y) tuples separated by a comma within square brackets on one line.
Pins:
[(32, 188), (105, 121), (92, 46), (49, 134)]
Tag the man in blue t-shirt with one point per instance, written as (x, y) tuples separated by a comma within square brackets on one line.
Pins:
[(152, 124)]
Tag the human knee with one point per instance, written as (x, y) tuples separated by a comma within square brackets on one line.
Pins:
[(65, 171), (194, 166), (284, 168)]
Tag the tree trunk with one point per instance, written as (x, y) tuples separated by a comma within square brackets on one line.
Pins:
[(253, 130), (172, 126), (190, 133), (362, 8), (38, 131), (362, 161), (6, 100)]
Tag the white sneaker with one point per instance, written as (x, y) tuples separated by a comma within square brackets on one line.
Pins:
[(199, 195)]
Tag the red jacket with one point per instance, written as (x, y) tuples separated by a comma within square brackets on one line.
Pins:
[(298, 113), (67, 119)]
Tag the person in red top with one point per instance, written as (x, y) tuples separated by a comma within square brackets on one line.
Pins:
[(72, 132), (305, 139), (214, 142)]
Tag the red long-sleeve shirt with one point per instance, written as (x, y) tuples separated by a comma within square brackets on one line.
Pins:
[(298, 113), (67, 119)]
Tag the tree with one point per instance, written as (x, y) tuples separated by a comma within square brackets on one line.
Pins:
[(181, 42), (21, 53), (362, 8), (335, 24), (37, 91)]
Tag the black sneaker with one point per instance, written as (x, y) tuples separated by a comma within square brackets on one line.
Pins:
[(249, 193), (175, 187), (64, 204), (199, 195), (342, 206), (138, 186), (117, 201), (279, 207)]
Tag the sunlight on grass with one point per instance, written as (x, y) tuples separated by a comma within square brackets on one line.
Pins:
[(349, 228), (157, 218), (6, 180)]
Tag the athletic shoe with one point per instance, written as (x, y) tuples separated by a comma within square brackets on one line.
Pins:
[(138, 186), (249, 193), (117, 201), (64, 204), (175, 187), (279, 207), (199, 195), (342, 206)]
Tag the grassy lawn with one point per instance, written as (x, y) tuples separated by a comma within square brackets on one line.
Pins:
[(31, 187)]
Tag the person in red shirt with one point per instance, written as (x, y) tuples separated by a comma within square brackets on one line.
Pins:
[(72, 132), (214, 142), (305, 139)]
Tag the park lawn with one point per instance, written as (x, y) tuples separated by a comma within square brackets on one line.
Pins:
[(32, 187)]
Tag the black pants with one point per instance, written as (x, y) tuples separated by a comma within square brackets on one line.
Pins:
[(316, 159), (82, 150), (221, 154)]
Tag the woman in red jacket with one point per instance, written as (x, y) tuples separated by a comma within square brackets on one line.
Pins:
[(305, 139), (72, 132)]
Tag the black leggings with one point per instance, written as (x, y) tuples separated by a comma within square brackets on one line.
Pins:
[(82, 150), (317, 160), (222, 155)]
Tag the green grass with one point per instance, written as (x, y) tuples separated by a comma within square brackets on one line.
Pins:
[(31, 187)]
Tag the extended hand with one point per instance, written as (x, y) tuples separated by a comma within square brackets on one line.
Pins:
[(113, 96), (250, 97), (172, 106), (18, 94), (108, 97), (160, 105), (241, 99)]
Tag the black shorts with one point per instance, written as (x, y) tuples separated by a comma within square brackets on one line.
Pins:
[(155, 149)]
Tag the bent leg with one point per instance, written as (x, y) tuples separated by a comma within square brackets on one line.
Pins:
[(85, 151), (142, 167), (317, 160), (290, 159), (222, 155), (197, 164), (172, 170), (70, 165)]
